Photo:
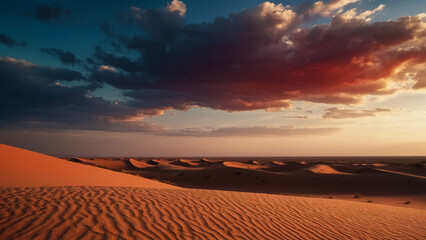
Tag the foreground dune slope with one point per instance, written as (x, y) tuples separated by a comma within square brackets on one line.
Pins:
[(23, 168), (138, 213)]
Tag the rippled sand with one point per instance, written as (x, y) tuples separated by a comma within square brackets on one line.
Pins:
[(138, 213), (43, 197)]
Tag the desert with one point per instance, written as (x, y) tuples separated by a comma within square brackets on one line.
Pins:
[(200, 119), (60, 203)]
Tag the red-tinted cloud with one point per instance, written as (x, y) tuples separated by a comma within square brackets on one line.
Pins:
[(263, 58), (260, 58)]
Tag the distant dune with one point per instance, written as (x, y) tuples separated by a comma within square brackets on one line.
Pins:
[(153, 210), (324, 169), (384, 183)]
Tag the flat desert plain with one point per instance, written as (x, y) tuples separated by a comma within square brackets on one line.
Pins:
[(44, 197)]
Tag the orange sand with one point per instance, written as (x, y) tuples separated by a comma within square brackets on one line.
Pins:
[(23, 168), (155, 210)]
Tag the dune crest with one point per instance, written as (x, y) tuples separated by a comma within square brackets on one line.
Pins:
[(242, 165), (141, 164), (324, 169)]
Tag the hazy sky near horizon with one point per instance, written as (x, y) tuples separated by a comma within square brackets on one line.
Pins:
[(214, 78)]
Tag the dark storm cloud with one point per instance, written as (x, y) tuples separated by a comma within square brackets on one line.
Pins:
[(163, 24), (37, 97), (122, 62), (66, 57), (28, 85), (49, 13), (32, 96), (261, 58), (8, 41)]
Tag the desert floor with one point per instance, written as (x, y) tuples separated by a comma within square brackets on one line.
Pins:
[(43, 197)]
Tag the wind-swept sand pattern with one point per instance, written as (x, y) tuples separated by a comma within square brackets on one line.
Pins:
[(138, 213), (85, 202)]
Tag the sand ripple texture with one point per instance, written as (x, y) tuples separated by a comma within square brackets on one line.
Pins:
[(138, 213)]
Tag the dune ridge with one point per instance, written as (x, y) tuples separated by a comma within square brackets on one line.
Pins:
[(325, 169), (138, 213), (142, 164), (23, 168)]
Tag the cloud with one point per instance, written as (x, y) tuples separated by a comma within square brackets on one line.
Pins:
[(339, 113), (102, 68), (163, 24), (297, 116), (352, 13), (37, 97), (265, 57), (262, 58), (251, 131), (49, 13), (65, 57), (417, 74), (10, 42), (368, 13), (122, 62), (324, 9), (177, 6), (27, 85)]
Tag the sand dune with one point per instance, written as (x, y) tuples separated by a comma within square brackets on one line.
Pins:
[(190, 163), (130, 213), (315, 179), (242, 165), (287, 167), (295, 178), (137, 213), (386, 183), (105, 163), (23, 168), (324, 169), (142, 164), (136, 208)]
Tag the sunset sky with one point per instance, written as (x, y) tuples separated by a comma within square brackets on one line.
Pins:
[(214, 78)]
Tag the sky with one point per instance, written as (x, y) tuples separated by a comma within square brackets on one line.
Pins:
[(214, 78)]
